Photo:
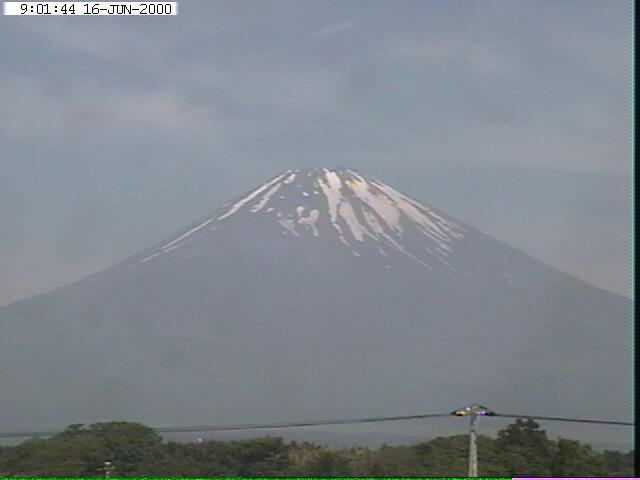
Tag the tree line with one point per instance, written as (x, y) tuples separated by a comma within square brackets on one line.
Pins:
[(521, 449)]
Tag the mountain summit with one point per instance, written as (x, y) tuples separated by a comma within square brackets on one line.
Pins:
[(333, 213), (362, 213), (320, 293)]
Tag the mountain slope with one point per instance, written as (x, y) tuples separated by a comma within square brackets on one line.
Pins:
[(320, 293)]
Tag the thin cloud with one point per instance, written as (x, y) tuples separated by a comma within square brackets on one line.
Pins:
[(468, 56), (66, 115), (337, 27)]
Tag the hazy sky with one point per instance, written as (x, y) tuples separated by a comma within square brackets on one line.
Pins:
[(513, 116)]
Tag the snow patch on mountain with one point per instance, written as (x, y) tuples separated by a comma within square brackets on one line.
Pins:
[(356, 209), (239, 204)]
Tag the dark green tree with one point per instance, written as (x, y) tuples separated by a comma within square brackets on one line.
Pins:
[(327, 463), (521, 449), (445, 456), (618, 464), (52, 457), (524, 449), (128, 446), (574, 459)]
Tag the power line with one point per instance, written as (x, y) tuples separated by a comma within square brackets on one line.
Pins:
[(251, 426), (563, 419), (255, 426), (49, 433), (311, 423), (475, 411)]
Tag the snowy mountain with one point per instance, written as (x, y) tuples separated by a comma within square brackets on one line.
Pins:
[(321, 293), (364, 214)]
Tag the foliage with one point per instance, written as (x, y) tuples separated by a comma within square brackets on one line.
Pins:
[(575, 460), (521, 449), (525, 449)]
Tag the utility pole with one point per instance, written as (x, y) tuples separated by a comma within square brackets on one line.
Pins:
[(108, 468), (473, 447), (473, 412)]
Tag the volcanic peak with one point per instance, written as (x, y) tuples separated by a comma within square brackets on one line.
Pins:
[(356, 209)]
